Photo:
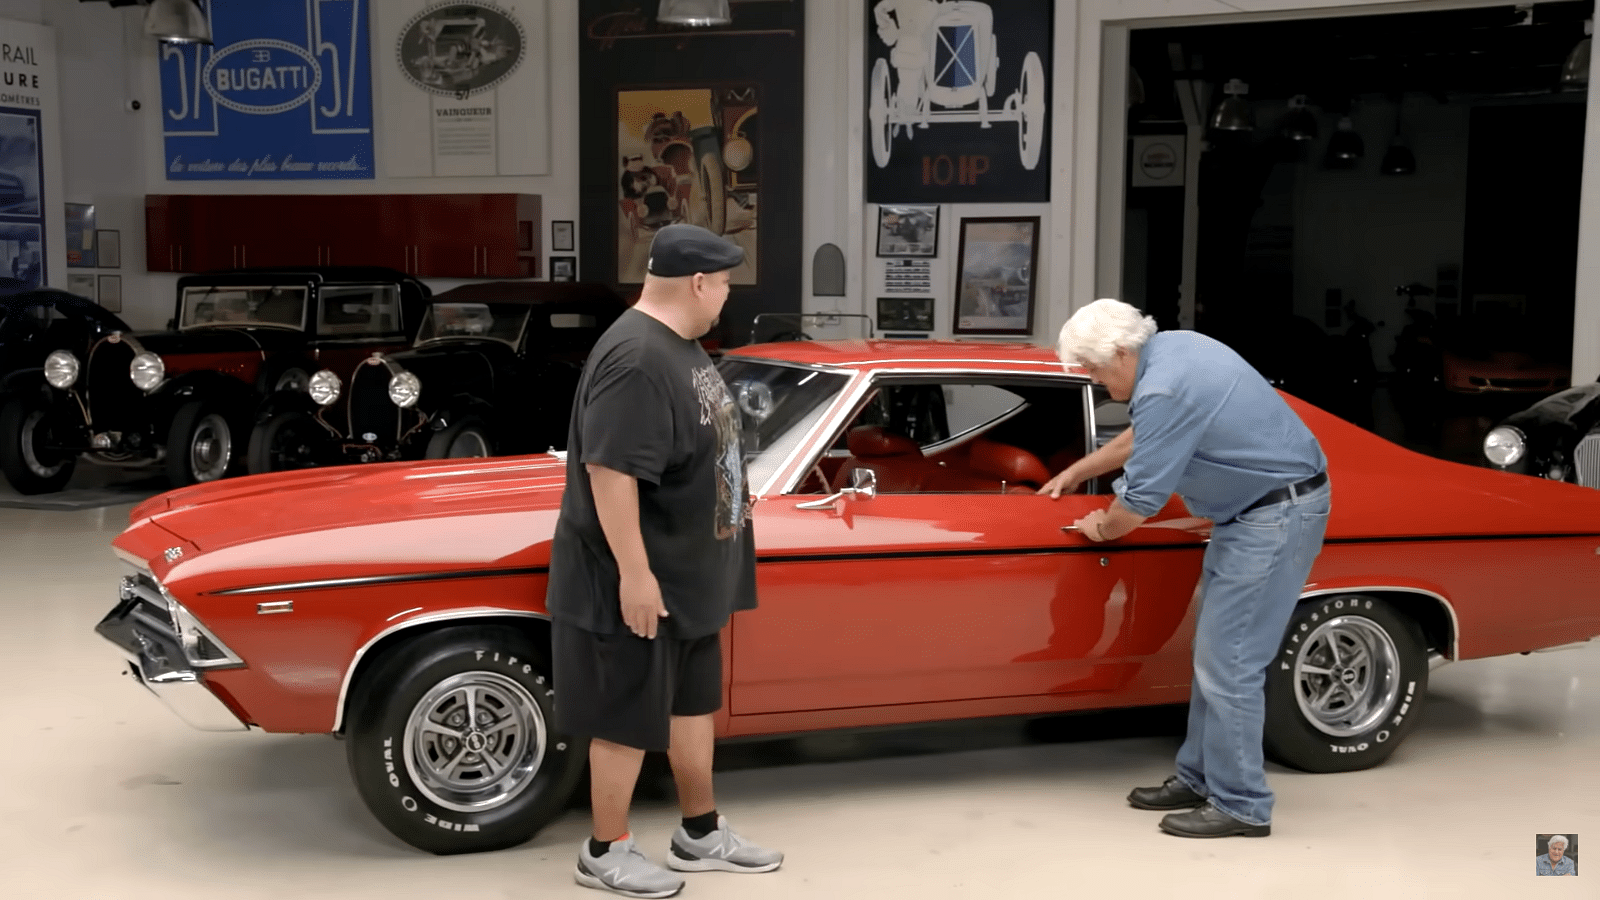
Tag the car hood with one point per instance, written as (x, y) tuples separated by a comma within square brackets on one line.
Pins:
[(219, 340), (443, 359), (351, 521)]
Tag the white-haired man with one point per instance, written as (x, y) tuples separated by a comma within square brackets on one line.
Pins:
[(1554, 861), (1208, 427)]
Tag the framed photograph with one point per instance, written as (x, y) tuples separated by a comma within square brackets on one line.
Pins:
[(80, 236), (905, 313), (81, 284), (111, 292), (908, 231), (563, 268), (994, 275), (109, 244), (561, 235)]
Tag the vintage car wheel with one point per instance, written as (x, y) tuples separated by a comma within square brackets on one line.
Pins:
[(1031, 111), (199, 445), (289, 440), (878, 109), (467, 438), (28, 464), (449, 741), (711, 186), (1347, 686)]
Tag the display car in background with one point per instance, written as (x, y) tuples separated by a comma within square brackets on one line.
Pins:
[(1557, 438), (908, 572), (40, 331), (186, 397), (493, 371)]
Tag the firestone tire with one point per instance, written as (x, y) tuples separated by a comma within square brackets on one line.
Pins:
[(29, 467), (1347, 685), (445, 787)]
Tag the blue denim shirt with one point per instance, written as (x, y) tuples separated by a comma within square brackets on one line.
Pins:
[(1547, 868), (1209, 428)]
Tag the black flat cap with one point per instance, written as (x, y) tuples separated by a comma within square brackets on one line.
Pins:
[(680, 250)]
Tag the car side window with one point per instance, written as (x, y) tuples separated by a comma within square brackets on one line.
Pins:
[(1110, 419), (363, 311)]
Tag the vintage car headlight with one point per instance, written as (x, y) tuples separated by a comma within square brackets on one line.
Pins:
[(323, 388), (147, 370), (61, 369), (404, 389), (1504, 445)]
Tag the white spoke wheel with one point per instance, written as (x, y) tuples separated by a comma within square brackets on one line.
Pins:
[(879, 105), (711, 189), (1347, 685), (1031, 111)]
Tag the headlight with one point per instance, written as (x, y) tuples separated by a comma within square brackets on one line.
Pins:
[(324, 388), (61, 369), (404, 389), (1504, 445), (146, 370)]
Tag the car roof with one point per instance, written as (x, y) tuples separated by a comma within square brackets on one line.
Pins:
[(293, 274), (917, 354), (532, 293)]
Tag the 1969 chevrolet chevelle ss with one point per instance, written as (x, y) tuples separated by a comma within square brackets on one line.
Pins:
[(908, 572)]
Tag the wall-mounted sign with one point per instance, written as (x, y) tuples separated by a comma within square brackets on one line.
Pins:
[(466, 88), (32, 245), (285, 93), (1156, 160)]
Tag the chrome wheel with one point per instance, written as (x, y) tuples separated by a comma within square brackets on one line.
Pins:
[(30, 446), (1347, 675), (210, 448), (474, 741)]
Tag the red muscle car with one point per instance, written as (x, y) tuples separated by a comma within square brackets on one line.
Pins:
[(908, 573)]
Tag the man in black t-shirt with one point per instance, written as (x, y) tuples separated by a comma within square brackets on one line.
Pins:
[(652, 555)]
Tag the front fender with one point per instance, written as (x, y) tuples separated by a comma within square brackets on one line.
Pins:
[(233, 398), (283, 402)]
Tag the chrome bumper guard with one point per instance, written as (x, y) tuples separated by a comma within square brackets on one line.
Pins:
[(142, 627)]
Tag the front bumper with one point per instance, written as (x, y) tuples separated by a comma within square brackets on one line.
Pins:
[(142, 627)]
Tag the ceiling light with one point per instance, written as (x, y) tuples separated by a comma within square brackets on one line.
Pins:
[(177, 21), (1345, 147), (1398, 159), (1300, 124), (1233, 113), (694, 13), (1575, 71)]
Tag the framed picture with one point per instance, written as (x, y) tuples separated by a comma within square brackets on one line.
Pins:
[(994, 275), (109, 244), (908, 231), (80, 236), (563, 268), (81, 284), (905, 313), (561, 235), (111, 292)]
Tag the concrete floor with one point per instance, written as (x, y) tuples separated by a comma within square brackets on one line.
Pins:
[(110, 796)]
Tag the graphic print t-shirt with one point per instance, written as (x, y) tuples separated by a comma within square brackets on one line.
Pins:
[(652, 405)]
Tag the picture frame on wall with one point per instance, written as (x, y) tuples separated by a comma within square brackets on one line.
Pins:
[(561, 239), (111, 292), (908, 231), (80, 236), (905, 313), (563, 268), (81, 284), (108, 242), (995, 266)]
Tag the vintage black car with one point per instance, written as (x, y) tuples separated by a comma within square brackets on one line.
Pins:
[(43, 334), (186, 397), (1557, 438), (493, 373)]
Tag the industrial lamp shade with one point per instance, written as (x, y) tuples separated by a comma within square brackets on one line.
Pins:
[(694, 13), (177, 21), (1300, 125), (1233, 113), (1575, 71), (1345, 148), (1398, 160)]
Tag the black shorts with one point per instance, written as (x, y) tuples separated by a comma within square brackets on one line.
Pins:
[(625, 689)]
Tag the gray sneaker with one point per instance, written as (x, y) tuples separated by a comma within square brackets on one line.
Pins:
[(721, 851), (624, 870)]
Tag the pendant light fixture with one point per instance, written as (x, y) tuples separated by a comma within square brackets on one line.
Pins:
[(1398, 159), (694, 13), (177, 22), (1345, 148), (1575, 71), (1233, 113), (1300, 125)]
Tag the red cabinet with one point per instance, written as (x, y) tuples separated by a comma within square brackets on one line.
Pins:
[(427, 235)]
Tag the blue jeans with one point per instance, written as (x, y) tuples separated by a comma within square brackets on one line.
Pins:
[(1255, 568)]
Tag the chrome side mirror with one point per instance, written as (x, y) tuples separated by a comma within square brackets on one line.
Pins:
[(863, 484)]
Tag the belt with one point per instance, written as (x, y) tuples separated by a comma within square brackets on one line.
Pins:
[(1290, 492)]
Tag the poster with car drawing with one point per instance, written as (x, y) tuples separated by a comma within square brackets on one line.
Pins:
[(32, 216), (958, 105), (686, 154)]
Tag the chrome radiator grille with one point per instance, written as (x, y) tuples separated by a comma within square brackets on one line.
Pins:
[(1587, 458)]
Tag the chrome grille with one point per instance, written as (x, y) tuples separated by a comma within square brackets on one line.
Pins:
[(1587, 459), (114, 403), (371, 411)]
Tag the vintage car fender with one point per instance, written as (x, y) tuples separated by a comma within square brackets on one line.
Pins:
[(235, 398)]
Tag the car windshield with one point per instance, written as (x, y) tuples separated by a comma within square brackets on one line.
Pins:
[(778, 405), (497, 321), (268, 307)]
